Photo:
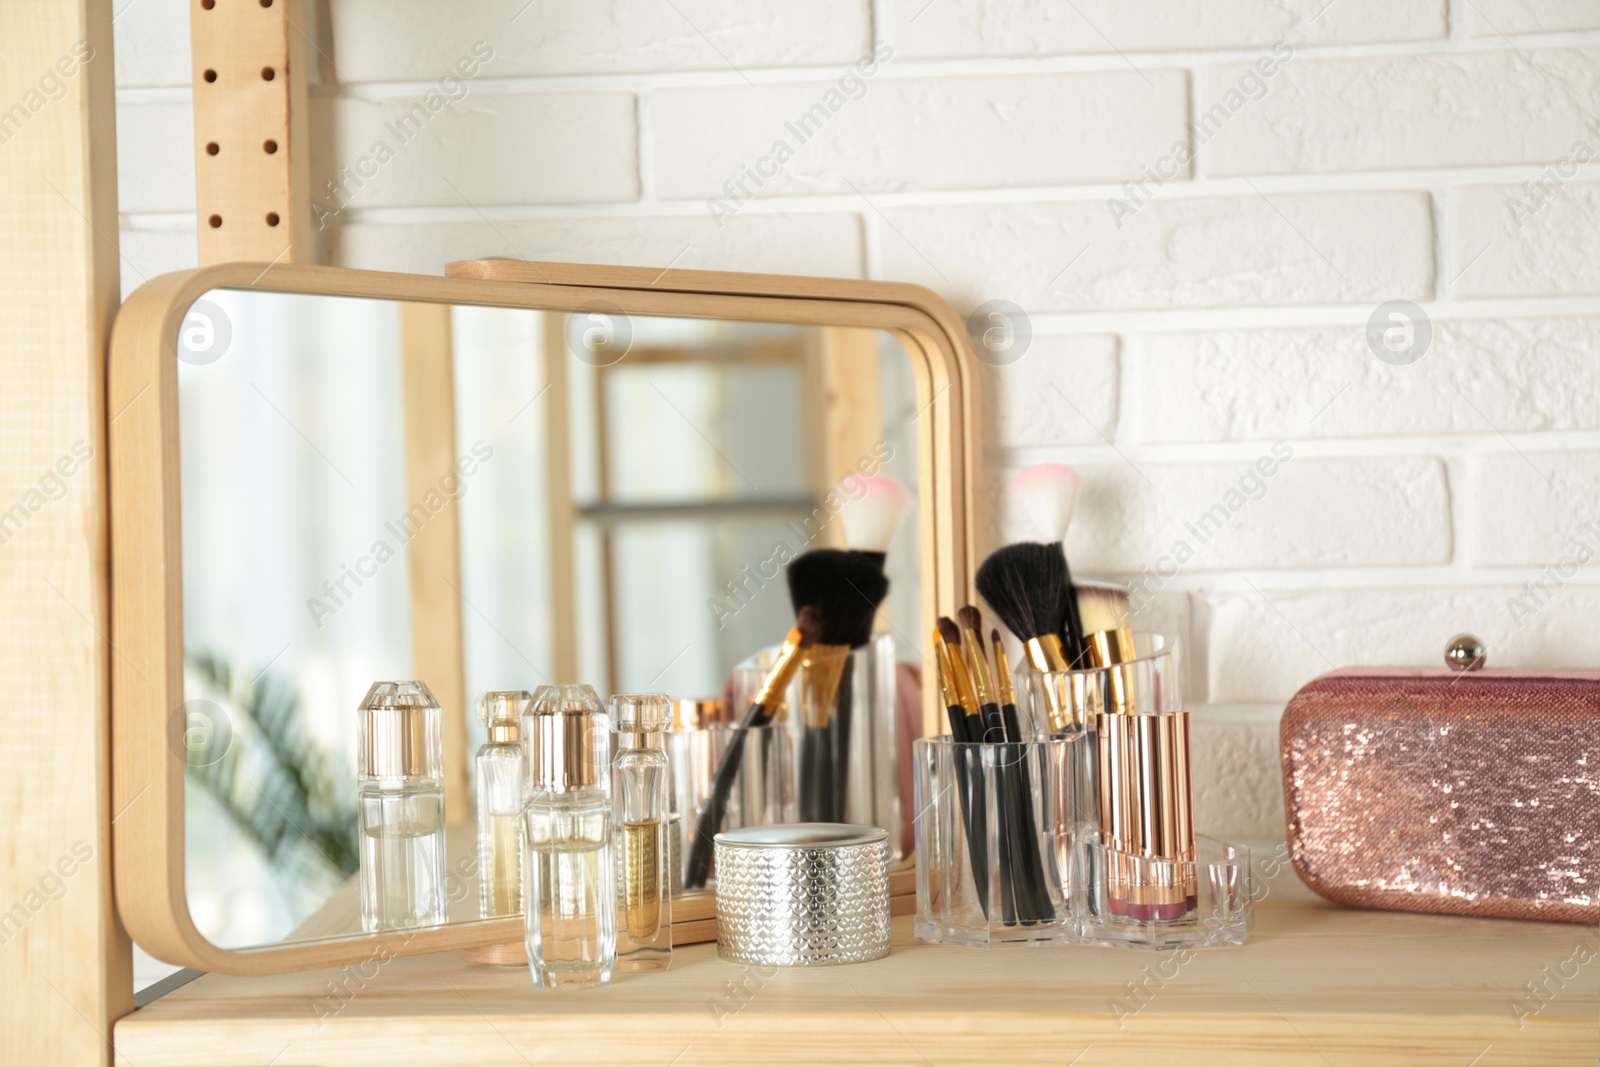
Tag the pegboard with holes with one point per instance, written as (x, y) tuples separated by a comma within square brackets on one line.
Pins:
[(251, 172)]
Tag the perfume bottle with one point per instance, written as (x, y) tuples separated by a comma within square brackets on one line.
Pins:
[(641, 802), (569, 896), (501, 773), (400, 782)]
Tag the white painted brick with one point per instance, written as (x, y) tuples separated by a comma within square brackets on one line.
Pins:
[(949, 28), (1478, 376), (412, 40), (151, 40), (147, 254), (1513, 240), (494, 149), (1312, 513), (1238, 779), (1263, 648), (1530, 507), (1442, 110), (778, 244), (1496, 18), (1296, 248), (1062, 391), (878, 134), (155, 157)]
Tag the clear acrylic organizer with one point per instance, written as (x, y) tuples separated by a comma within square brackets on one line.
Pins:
[(1011, 806), (1117, 788)]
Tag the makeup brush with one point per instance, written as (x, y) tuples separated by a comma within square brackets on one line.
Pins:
[(874, 517), (802, 636), (1027, 875), (1048, 494), (1107, 624), (977, 731), (875, 507), (1026, 585), (961, 760), (846, 589)]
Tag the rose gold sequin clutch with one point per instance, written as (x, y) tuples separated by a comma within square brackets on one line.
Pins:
[(1475, 793)]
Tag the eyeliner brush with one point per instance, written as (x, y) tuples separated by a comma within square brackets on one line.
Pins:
[(1028, 877), (978, 725), (971, 814)]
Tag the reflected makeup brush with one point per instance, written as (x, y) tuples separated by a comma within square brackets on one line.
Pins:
[(803, 636), (1048, 494), (845, 589), (875, 507), (873, 518)]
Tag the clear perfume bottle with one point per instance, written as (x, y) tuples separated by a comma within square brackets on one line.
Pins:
[(641, 801), (569, 891), (502, 770), (400, 786)]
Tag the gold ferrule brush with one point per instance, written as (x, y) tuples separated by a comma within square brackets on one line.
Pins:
[(782, 672), (1002, 673), (820, 670), (1109, 650), (947, 684), (977, 666), (966, 695)]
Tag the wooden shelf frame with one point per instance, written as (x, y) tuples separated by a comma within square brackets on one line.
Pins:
[(146, 559)]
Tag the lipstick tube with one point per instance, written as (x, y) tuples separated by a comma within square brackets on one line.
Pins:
[(1145, 785)]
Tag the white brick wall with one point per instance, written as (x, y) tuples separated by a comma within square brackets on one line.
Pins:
[(1196, 292)]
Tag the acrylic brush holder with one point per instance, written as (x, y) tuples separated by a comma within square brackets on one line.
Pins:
[(994, 839)]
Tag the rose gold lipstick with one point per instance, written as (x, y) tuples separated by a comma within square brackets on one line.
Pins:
[(1145, 788)]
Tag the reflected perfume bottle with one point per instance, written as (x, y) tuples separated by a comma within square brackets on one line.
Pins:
[(400, 786), (570, 896), (641, 800), (501, 766)]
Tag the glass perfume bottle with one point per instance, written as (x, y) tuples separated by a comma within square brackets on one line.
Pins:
[(569, 895), (400, 785), (641, 801), (501, 774)]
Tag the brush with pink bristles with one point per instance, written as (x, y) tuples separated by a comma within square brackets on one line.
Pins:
[(875, 507), (875, 514), (1048, 493)]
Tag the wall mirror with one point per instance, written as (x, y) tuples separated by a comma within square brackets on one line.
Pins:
[(324, 478)]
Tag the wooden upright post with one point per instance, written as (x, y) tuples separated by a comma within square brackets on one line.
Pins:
[(65, 964)]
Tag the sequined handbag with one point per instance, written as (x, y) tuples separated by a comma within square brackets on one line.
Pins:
[(1453, 791)]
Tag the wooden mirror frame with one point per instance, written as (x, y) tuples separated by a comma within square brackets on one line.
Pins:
[(146, 550)]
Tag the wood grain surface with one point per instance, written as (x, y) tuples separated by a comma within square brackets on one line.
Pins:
[(1317, 984)]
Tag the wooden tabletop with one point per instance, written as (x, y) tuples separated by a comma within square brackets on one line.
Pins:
[(1317, 984)]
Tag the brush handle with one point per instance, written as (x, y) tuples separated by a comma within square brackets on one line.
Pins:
[(1072, 631), (971, 810), (1044, 909), (716, 806), (839, 755)]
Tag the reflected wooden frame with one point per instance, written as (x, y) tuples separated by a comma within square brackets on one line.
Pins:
[(146, 549)]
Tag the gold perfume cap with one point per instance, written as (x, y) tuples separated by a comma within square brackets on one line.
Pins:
[(569, 739), (400, 732), (694, 714), (501, 711)]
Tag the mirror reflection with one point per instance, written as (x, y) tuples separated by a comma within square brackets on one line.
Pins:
[(484, 499)]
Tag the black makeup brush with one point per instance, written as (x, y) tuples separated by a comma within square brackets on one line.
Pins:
[(963, 761), (803, 636), (1027, 875), (977, 733), (845, 588), (875, 507)]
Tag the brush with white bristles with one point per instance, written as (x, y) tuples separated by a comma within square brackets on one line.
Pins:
[(1047, 493), (874, 517)]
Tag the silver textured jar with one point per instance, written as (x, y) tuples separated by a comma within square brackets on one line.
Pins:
[(803, 894)]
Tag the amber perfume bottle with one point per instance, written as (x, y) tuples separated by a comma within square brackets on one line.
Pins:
[(400, 786), (502, 771), (641, 802)]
